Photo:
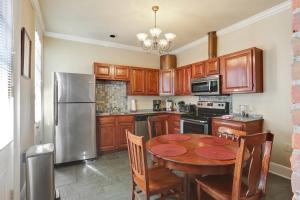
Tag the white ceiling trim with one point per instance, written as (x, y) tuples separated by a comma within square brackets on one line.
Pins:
[(239, 25), (38, 13), (93, 41)]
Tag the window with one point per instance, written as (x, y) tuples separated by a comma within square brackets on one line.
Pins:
[(6, 101)]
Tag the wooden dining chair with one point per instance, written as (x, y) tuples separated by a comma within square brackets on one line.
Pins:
[(158, 125), (157, 180), (230, 133), (231, 187)]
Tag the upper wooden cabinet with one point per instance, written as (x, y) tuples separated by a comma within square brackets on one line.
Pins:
[(187, 80), (182, 80), (111, 72), (137, 85), (198, 70), (121, 72), (143, 81), (212, 67), (242, 72), (166, 82), (152, 82), (179, 79)]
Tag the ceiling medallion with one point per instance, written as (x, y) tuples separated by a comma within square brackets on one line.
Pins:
[(154, 41)]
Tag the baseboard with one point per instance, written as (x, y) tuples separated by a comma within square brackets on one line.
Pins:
[(280, 170)]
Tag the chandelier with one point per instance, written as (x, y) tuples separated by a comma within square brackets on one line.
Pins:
[(154, 41)]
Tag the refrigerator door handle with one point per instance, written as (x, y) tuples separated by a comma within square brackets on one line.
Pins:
[(55, 103)]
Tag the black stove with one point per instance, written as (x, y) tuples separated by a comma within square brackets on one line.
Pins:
[(199, 121)]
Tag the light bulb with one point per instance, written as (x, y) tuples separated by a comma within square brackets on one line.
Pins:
[(147, 43), (163, 42), (170, 36), (155, 32), (142, 36)]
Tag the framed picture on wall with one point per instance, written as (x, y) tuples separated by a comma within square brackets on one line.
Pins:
[(25, 54)]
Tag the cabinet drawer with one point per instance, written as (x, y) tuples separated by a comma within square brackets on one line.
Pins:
[(106, 120), (126, 119)]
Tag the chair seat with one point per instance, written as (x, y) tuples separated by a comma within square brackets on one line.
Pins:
[(160, 179), (220, 187)]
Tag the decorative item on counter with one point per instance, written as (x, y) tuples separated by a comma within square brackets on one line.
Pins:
[(133, 105), (244, 110)]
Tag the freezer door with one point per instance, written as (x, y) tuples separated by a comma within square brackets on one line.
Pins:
[(74, 87), (75, 132)]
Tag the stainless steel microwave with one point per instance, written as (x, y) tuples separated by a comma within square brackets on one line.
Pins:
[(206, 86)]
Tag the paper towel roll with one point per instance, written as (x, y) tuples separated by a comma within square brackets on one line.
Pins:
[(133, 105)]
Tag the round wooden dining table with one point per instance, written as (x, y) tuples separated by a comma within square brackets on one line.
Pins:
[(190, 162)]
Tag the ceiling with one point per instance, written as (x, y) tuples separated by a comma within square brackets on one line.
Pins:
[(188, 19)]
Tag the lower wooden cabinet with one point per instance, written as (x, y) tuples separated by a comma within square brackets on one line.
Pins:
[(111, 132), (250, 127)]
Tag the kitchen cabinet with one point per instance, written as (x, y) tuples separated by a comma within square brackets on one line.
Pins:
[(166, 82), (121, 72), (111, 132), (152, 82), (242, 72), (111, 72), (187, 80), (137, 86), (198, 70), (212, 67), (106, 134), (179, 78), (183, 80), (250, 127)]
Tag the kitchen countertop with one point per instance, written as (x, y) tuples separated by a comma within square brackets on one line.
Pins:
[(139, 112), (239, 118)]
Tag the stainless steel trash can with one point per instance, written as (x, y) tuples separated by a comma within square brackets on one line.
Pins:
[(40, 172)]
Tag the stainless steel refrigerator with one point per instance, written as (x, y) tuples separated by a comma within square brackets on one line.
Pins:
[(74, 117)]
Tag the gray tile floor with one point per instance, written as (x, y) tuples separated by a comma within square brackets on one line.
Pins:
[(108, 178)]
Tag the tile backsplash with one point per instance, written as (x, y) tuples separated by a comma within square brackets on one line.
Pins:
[(111, 95)]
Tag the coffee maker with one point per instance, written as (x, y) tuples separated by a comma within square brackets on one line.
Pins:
[(156, 105)]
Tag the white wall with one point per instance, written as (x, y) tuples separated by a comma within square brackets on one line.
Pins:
[(273, 35), (69, 56)]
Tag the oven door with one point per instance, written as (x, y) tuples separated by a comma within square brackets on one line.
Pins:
[(193, 126)]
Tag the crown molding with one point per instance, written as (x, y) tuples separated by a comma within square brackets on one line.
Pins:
[(38, 13), (94, 41), (239, 25)]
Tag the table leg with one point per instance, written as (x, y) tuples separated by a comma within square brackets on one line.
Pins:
[(189, 187)]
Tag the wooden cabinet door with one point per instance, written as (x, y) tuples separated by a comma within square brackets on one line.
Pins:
[(179, 81), (166, 82), (103, 71), (137, 81), (106, 137), (121, 136), (121, 72), (152, 82), (212, 67), (187, 80), (236, 71), (216, 123), (198, 70)]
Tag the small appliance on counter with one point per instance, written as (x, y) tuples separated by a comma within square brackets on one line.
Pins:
[(169, 105), (157, 105), (133, 105), (181, 106)]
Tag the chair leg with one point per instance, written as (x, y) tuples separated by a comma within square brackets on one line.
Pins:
[(200, 193), (132, 192)]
